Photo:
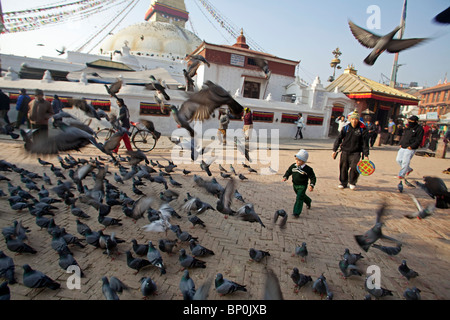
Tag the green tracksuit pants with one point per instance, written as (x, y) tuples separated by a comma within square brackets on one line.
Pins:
[(300, 190)]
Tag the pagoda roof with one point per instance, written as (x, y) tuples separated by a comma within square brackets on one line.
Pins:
[(359, 87)]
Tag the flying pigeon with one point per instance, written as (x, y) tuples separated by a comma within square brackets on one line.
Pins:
[(272, 289), (114, 88), (224, 203), (247, 213), (392, 251), (156, 85), (422, 213), (435, 187), (379, 44), (443, 17), (282, 215)]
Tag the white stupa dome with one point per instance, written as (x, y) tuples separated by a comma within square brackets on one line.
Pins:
[(157, 38)]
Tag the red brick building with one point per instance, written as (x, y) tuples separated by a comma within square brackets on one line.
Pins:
[(435, 102)]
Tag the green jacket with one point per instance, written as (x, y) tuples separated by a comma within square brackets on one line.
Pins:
[(300, 175)]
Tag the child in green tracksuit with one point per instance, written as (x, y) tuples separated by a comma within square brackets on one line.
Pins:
[(301, 173)]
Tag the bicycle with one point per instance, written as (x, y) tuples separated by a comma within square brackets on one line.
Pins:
[(141, 138)]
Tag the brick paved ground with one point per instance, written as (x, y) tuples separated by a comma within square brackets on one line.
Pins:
[(327, 228)]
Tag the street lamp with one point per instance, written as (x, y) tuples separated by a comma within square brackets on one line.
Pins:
[(335, 63)]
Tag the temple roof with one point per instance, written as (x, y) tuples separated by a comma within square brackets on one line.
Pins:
[(358, 87)]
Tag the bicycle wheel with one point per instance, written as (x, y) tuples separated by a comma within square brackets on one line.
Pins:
[(143, 140), (104, 134)]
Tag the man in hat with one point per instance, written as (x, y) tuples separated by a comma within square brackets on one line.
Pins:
[(22, 108), (409, 143), (354, 142), (301, 174), (40, 112)]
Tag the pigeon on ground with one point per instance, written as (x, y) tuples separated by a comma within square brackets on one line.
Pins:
[(109, 221), (148, 287), (82, 228), (320, 286), (242, 177), (78, 212), (187, 286), (5, 293), (196, 221), (247, 213), (406, 271), (301, 251), (7, 268), (70, 238), (183, 236), (36, 279), (225, 286), (377, 292), (154, 256), (136, 263), (348, 269), (198, 250), (166, 245), (117, 285), (66, 260), (412, 294), (187, 261), (238, 196), (400, 186), (108, 292), (258, 255), (299, 279), (422, 213), (282, 215), (352, 258), (392, 251), (381, 43), (18, 246), (139, 249)]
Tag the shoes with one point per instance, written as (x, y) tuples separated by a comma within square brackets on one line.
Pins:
[(400, 177), (352, 187), (409, 172), (308, 206), (341, 186), (295, 215)]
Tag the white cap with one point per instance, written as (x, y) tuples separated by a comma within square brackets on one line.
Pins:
[(302, 155)]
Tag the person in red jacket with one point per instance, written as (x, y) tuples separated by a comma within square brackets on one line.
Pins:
[(248, 123)]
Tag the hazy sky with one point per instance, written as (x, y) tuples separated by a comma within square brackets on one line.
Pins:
[(292, 29)]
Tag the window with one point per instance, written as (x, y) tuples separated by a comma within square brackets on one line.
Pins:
[(438, 96), (252, 89), (445, 96)]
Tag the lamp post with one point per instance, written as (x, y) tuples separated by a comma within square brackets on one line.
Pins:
[(335, 63)]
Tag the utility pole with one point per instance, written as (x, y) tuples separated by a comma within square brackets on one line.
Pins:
[(400, 35)]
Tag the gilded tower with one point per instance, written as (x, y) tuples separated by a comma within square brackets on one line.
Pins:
[(169, 11)]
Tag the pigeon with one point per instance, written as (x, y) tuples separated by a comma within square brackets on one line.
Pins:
[(70, 238), (82, 228), (258, 255), (187, 286), (186, 172), (197, 206), (136, 263), (109, 242), (377, 292), (18, 246), (139, 208), (7, 268), (406, 271), (320, 286), (242, 177), (114, 88), (187, 261), (272, 289), (435, 187), (412, 294), (77, 212), (375, 233), (58, 243), (36, 279), (400, 186), (151, 128), (381, 43), (238, 196), (348, 269), (224, 203), (168, 195), (195, 220), (139, 249), (154, 256), (392, 251), (108, 292), (299, 279), (183, 236), (168, 212), (117, 285), (422, 213), (66, 260), (205, 167), (160, 225), (301, 251), (283, 217), (352, 258), (225, 286), (202, 104), (443, 17), (156, 85), (5, 293), (43, 162), (166, 245), (263, 64), (108, 221), (247, 213), (198, 250), (148, 287)]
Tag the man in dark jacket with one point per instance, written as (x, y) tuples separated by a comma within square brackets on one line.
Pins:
[(22, 107), (354, 141), (4, 107), (410, 141)]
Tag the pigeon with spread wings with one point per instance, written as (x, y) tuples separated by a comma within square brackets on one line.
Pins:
[(379, 44), (114, 88)]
